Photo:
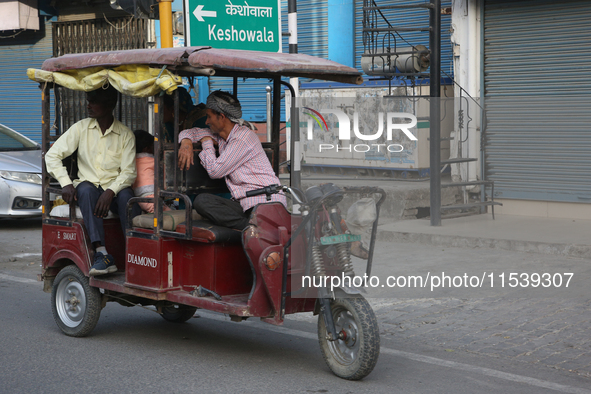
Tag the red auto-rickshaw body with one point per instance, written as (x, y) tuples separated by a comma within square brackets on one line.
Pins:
[(191, 263)]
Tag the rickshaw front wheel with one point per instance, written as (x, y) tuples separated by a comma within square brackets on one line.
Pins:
[(76, 305), (356, 353), (176, 313)]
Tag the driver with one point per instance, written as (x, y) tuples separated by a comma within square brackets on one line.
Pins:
[(242, 162)]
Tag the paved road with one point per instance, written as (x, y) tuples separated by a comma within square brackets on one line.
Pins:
[(20, 240), (429, 345), (544, 326)]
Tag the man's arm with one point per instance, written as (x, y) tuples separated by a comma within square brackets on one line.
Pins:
[(237, 151), (62, 148), (186, 139), (195, 134)]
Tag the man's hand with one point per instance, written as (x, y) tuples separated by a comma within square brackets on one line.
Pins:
[(69, 194), (101, 209), (186, 154)]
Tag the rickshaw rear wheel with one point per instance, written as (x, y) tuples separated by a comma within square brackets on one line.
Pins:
[(76, 306), (356, 353), (176, 313)]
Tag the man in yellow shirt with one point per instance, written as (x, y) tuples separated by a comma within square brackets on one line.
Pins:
[(106, 170)]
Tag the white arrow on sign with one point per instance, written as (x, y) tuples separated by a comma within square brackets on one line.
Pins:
[(199, 13)]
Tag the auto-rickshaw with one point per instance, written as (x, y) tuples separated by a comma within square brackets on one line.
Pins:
[(179, 264)]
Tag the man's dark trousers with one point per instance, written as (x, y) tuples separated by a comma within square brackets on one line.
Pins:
[(88, 195), (221, 211)]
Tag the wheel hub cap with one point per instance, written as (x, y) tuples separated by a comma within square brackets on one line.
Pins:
[(70, 302), (346, 348)]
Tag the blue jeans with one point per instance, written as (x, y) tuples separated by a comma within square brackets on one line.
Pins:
[(88, 195)]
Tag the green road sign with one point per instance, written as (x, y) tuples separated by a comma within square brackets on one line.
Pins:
[(234, 24)]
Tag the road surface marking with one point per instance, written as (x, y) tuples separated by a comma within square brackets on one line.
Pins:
[(26, 254), (425, 359), (17, 279)]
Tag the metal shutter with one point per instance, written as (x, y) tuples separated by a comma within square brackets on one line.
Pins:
[(408, 18), (20, 98), (312, 40), (312, 27), (537, 79), (98, 35)]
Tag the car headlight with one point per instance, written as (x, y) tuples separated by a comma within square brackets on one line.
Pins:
[(21, 177)]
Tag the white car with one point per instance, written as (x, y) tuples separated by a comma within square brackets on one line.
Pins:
[(20, 175)]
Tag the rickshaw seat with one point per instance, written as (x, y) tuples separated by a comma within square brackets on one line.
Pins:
[(204, 231)]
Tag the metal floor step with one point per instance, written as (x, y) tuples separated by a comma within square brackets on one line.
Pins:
[(468, 183), (459, 160), (473, 205), (443, 139)]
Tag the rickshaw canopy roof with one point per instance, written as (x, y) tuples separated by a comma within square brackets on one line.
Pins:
[(212, 61)]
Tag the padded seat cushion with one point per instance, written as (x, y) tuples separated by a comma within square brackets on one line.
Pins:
[(204, 231), (170, 219)]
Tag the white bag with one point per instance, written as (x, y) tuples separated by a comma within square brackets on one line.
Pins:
[(63, 211), (361, 215)]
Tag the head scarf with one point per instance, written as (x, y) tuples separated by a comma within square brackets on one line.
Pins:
[(224, 103)]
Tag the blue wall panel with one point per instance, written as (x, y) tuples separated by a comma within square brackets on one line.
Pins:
[(20, 98)]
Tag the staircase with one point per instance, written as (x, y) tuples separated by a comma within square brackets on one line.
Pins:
[(482, 204), (484, 201)]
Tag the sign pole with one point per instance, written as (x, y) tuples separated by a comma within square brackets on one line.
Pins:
[(295, 170), (435, 113), (165, 10)]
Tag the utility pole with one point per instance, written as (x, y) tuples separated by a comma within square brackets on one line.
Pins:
[(435, 112), (165, 10)]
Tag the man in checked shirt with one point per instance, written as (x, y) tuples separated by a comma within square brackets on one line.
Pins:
[(242, 162)]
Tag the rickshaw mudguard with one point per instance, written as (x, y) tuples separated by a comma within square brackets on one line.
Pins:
[(70, 241), (63, 242), (269, 229), (272, 279)]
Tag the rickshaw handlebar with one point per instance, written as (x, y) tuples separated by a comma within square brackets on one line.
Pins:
[(268, 190)]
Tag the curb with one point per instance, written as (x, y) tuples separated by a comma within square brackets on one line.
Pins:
[(557, 249)]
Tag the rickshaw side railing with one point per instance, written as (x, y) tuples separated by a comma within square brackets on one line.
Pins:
[(158, 225), (158, 159), (46, 140)]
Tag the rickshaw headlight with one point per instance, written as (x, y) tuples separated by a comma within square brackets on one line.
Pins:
[(272, 261)]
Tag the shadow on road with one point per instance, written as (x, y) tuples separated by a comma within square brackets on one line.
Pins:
[(24, 224)]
